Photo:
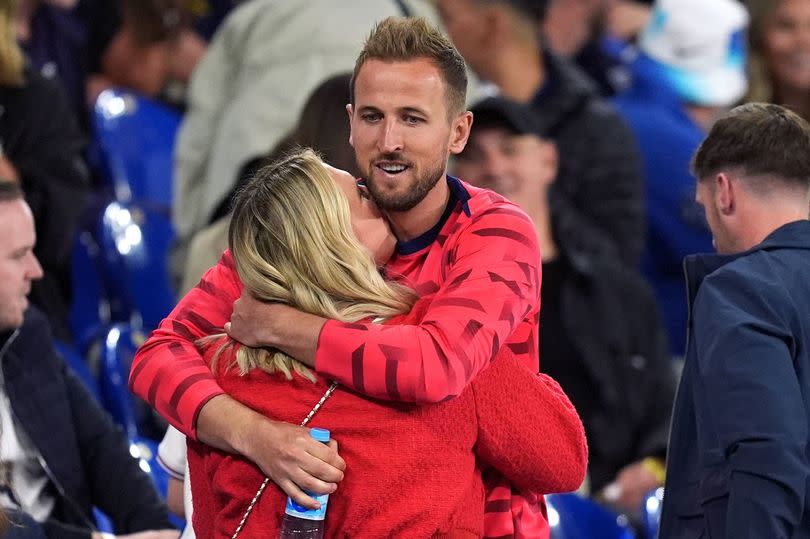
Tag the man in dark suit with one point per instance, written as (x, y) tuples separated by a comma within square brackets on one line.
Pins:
[(739, 458), (60, 453)]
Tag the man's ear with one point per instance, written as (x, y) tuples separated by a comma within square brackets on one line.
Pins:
[(460, 132), (350, 112), (725, 193)]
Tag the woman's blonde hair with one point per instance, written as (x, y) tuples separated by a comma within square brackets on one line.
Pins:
[(12, 61), (760, 85), (292, 241)]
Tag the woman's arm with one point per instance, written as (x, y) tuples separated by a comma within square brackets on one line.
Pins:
[(528, 429)]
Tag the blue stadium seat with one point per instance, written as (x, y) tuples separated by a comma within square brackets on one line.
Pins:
[(134, 244), (574, 517), (79, 366), (89, 309), (133, 140), (136, 417), (651, 513)]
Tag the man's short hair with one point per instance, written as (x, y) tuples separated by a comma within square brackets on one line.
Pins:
[(761, 139), (398, 39), (10, 191)]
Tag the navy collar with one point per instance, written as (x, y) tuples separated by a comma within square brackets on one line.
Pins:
[(795, 235), (458, 194)]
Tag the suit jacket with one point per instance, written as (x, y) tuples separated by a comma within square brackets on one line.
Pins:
[(739, 458), (85, 454)]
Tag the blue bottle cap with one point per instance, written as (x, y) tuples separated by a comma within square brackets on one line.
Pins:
[(322, 435)]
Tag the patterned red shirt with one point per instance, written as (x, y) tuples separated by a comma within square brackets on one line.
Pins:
[(482, 264)]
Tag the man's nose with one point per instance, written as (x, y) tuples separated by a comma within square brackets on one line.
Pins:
[(34, 270), (390, 140)]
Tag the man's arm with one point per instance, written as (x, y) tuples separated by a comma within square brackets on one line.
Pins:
[(171, 375), (491, 285), (753, 403)]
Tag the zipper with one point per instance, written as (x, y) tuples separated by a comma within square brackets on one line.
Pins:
[(73, 504)]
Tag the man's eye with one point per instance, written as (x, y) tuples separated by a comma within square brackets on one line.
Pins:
[(413, 119), (371, 116)]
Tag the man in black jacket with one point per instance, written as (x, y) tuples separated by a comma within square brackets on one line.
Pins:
[(597, 203), (600, 332), (61, 454)]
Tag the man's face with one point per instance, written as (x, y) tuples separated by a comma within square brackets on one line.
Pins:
[(18, 265), (466, 24), (400, 131), (518, 166)]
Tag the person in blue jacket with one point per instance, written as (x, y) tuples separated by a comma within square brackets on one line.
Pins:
[(739, 454), (689, 68)]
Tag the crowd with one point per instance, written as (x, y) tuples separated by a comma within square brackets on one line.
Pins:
[(479, 231)]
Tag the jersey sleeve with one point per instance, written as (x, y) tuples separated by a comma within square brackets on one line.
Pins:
[(168, 371), (490, 283)]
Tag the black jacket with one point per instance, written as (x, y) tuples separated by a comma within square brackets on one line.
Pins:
[(41, 138), (597, 202), (624, 376), (85, 454)]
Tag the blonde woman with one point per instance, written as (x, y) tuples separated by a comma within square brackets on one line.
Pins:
[(301, 235), (779, 48)]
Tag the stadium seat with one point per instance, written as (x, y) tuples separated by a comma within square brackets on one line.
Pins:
[(571, 516), (134, 243), (133, 142), (137, 419)]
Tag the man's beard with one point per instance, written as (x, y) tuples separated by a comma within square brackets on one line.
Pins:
[(416, 193)]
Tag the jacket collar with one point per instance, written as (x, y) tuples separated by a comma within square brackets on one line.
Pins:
[(795, 235)]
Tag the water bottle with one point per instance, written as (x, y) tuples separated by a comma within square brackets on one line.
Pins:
[(300, 522)]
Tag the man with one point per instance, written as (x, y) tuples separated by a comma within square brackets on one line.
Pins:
[(239, 111), (689, 70), (600, 331), (61, 454), (739, 459), (597, 200), (475, 250)]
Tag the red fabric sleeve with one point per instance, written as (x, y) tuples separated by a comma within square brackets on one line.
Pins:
[(168, 371), (528, 429), (490, 284)]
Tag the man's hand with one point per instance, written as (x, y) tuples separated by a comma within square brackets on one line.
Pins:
[(295, 461), (286, 453), (632, 483), (149, 534), (274, 325)]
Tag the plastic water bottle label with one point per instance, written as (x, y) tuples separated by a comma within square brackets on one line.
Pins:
[(295, 510)]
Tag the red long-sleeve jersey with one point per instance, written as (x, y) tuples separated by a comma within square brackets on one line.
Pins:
[(481, 263)]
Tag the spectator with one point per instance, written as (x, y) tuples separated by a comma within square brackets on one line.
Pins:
[(600, 332), (325, 107), (60, 451), (41, 148), (91, 45), (592, 33), (249, 89), (779, 45), (739, 461), (54, 39), (691, 67), (597, 202)]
